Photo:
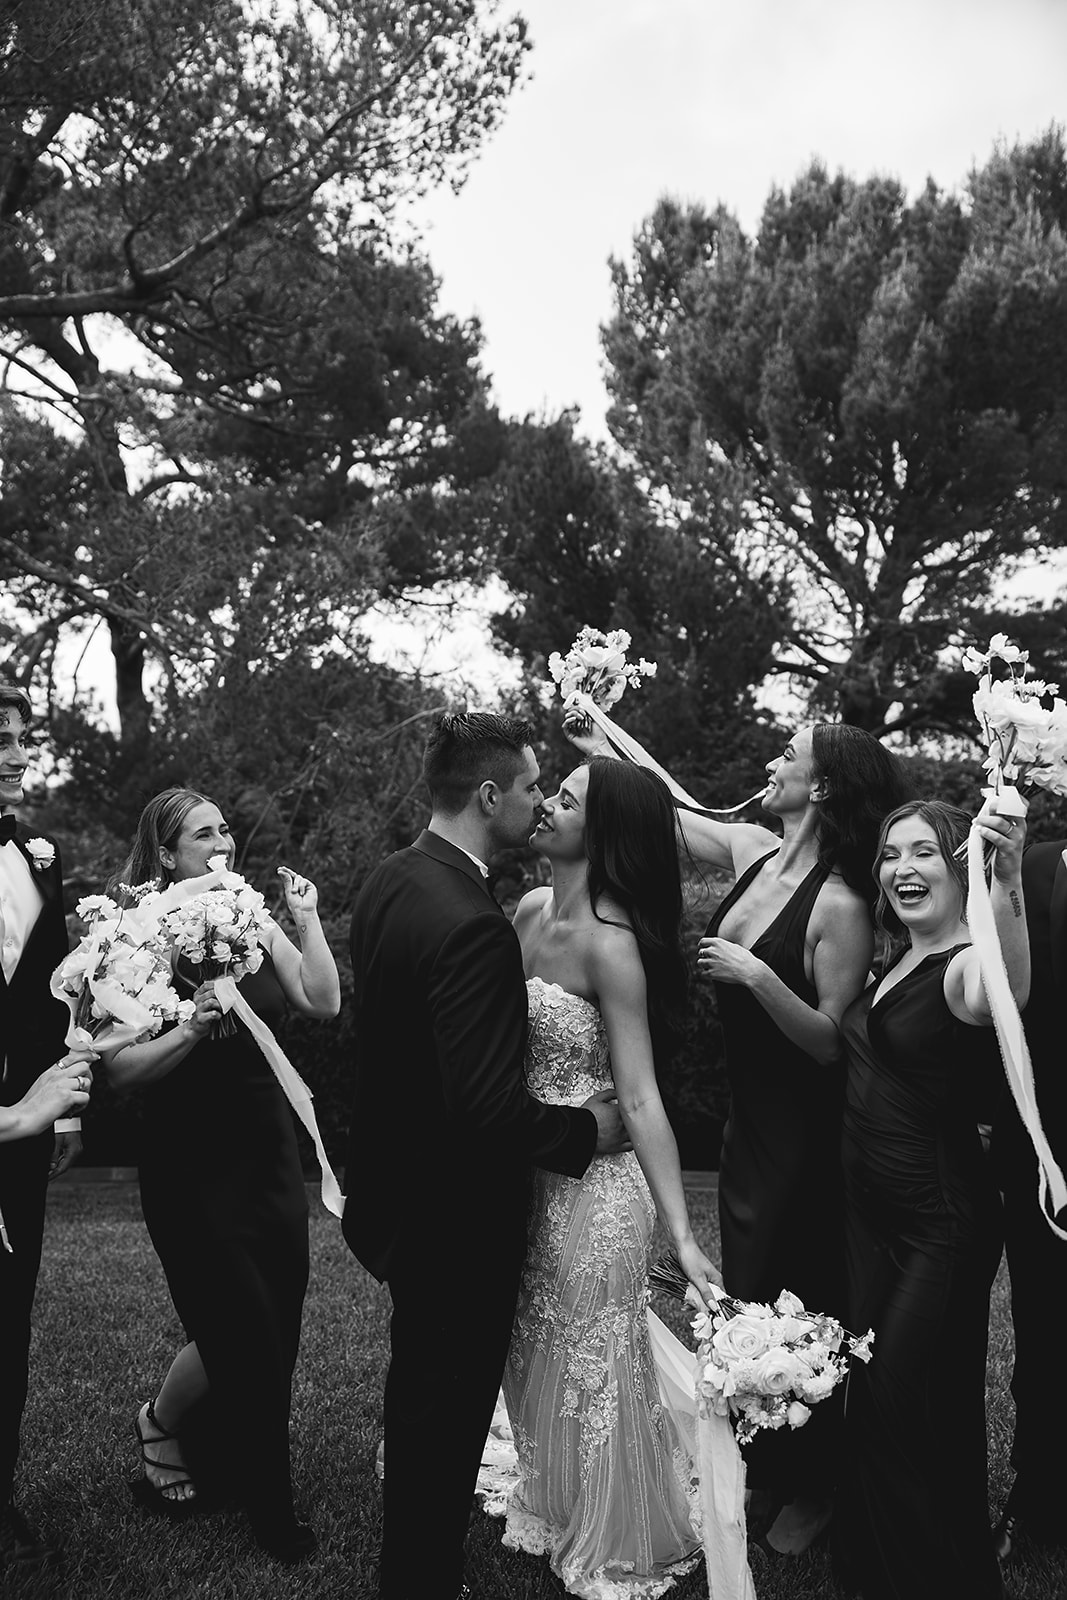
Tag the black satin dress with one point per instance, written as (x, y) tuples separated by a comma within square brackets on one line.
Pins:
[(223, 1197), (780, 1194), (923, 1242)]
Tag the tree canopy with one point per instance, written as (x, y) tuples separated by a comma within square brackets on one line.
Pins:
[(874, 392), (223, 369)]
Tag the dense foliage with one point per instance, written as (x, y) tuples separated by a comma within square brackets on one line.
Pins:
[(877, 389), (234, 420), (225, 371)]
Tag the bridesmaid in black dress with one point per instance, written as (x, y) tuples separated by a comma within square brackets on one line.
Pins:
[(223, 1197), (789, 948), (923, 1220)]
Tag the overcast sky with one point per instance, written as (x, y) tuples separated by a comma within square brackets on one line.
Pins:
[(633, 99)]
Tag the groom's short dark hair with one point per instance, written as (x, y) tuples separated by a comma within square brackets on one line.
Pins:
[(467, 748)]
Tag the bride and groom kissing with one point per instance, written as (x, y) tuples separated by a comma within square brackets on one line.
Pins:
[(496, 1064)]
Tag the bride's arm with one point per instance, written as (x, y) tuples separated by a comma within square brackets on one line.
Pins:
[(619, 977)]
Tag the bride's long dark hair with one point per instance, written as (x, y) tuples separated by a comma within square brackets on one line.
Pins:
[(631, 844)]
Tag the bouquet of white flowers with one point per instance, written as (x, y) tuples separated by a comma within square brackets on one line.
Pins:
[(592, 676), (1026, 741), (762, 1366), (596, 665), (117, 982), (217, 932), (766, 1366)]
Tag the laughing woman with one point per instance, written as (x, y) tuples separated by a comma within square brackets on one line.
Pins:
[(223, 1197), (923, 1219)]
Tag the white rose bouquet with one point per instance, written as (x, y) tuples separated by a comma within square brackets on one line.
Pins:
[(1025, 740), (217, 933), (766, 1366), (763, 1366), (596, 665), (117, 982)]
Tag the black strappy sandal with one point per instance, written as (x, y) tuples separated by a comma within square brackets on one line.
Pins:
[(155, 1500)]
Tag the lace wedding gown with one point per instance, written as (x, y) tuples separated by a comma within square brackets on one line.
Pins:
[(600, 1476)]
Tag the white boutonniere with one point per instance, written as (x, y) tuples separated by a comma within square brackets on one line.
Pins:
[(42, 852)]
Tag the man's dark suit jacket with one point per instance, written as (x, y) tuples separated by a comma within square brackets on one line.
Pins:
[(1045, 1015), (443, 1131), (32, 1023), (32, 1029)]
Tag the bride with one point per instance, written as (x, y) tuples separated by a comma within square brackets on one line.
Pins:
[(605, 1482)]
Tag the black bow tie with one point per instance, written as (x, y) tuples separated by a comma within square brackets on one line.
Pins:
[(7, 828)]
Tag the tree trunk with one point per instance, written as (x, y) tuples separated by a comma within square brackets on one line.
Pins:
[(127, 649)]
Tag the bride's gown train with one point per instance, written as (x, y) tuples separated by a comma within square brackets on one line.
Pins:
[(599, 1393)]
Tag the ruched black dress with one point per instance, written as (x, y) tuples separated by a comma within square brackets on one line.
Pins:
[(780, 1198), (923, 1243), (224, 1200)]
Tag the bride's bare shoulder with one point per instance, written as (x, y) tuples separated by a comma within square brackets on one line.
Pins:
[(531, 904)]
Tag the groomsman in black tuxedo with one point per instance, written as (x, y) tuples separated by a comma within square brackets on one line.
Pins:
[(1037, 1258), (33, 940), (444, 1135)]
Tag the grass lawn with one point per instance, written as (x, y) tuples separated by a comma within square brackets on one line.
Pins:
[(104, 1334)]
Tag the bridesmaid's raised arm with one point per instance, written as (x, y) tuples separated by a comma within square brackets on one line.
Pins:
[(308, 976)]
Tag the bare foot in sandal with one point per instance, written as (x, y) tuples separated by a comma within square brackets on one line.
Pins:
[(166, 1474)]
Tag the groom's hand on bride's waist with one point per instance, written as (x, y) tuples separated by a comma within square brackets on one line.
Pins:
[(611, 1136)]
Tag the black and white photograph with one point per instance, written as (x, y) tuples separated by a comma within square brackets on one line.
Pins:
[(533, 799)]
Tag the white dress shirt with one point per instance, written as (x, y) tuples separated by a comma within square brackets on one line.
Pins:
[(20, 905), (482, 868)]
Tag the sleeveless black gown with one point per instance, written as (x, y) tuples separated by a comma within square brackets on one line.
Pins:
[(923, 1243), (223, 1196), (780, 1195)]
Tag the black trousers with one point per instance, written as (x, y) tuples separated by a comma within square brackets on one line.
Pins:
[(1037, 1264), (449, 1338), (23, 1185)]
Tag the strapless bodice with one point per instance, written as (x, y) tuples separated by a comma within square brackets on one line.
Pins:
[(567, 1056)]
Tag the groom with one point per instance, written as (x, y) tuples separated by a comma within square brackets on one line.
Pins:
[(444, 1134), (33, 940)]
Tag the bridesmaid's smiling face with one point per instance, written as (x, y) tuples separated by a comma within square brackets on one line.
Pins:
[(561, 831), (916, 879), (791, 775), (204, 833)]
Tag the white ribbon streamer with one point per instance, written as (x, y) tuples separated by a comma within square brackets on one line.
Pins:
[(1013, 1047), (635, 752), (292, 1084), (720, 1466), (628, 746), (722, 1499)]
